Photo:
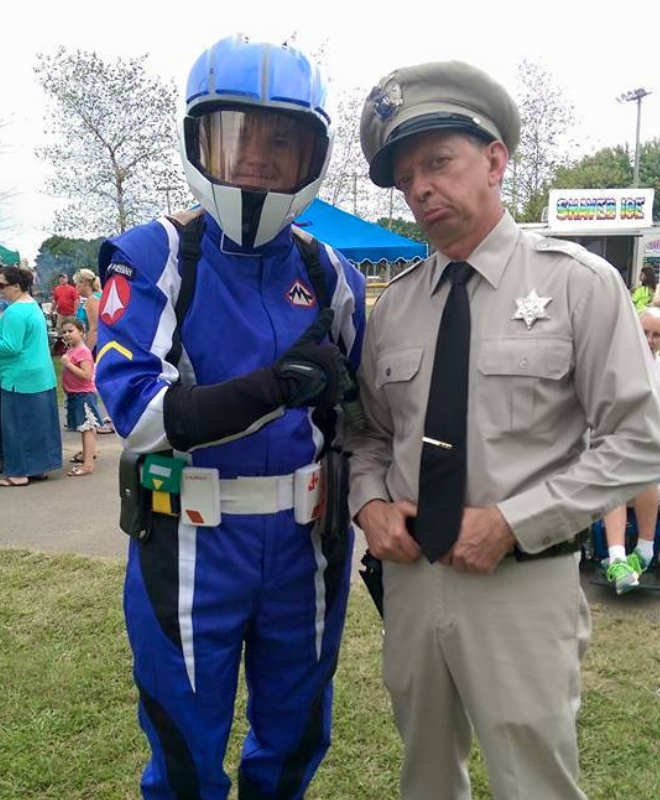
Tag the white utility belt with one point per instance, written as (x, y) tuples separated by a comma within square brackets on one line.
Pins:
[(205, 497)]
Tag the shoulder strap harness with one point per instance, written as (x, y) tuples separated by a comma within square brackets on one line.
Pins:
[(191, 237)]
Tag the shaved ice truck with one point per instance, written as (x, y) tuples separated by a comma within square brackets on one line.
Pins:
[(616, 224)]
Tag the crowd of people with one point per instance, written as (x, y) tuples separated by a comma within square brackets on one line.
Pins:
[(499, 399), (30, 429)]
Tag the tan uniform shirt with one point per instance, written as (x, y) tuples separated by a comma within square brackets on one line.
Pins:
[(533, 395)]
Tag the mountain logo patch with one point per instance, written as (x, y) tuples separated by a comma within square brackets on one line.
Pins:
[(300, 295)]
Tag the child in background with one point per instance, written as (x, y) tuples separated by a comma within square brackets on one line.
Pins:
[(624, 571), (78, 383)]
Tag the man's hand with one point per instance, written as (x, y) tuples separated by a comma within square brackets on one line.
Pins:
[(485, 538), (310, 373), (384, 525)]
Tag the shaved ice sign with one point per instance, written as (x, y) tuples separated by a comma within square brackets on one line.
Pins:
[(600, 208)]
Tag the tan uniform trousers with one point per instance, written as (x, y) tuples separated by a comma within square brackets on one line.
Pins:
[(498, 653)]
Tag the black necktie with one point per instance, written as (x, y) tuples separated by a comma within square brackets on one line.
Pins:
[(442, 472)]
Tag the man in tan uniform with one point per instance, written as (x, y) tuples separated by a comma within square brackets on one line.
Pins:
[(490, 636)]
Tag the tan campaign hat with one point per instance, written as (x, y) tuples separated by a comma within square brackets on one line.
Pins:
[(447, 95)]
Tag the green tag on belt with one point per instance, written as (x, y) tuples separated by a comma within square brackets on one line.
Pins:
[(162, 474)]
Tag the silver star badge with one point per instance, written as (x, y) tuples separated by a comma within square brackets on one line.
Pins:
[(531, 308)]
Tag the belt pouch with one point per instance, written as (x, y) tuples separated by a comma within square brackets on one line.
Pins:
[(334, 520), (135, 513), (200, 497), (307, 493), (161, 477)]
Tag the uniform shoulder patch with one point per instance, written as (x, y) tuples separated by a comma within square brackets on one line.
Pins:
[(115, 299), (120, 268)]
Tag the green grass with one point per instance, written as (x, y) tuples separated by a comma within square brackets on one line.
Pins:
[(67, 705), (57, 364)]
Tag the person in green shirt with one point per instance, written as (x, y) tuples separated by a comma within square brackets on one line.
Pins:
[(642, 296), (29, 419)]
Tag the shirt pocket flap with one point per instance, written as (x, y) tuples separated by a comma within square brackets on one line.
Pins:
[(533, 357), (398, 365)]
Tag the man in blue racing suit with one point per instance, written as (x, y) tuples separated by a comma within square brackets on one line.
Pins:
[(246, 385)]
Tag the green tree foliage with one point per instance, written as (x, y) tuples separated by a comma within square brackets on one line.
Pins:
[(545, 116), (403, 227), (607, 168), (649, 171), (114, 150), (60, 254)]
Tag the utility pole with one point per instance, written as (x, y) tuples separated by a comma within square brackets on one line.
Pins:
[(167, 190), (638, 95)]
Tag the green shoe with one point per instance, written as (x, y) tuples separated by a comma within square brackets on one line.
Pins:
[(622, 575), (637, 561)]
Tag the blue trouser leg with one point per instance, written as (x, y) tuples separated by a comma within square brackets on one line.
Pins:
[(191, 599), (291, 655), (187, 725)]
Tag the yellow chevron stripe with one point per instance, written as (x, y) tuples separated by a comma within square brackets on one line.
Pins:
[(114, 346)]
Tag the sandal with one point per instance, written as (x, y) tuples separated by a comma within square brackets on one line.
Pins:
[(77, 458), (105, 430), (11, 482), (78, 472)]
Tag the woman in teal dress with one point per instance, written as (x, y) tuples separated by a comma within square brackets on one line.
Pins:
[(31, 438)]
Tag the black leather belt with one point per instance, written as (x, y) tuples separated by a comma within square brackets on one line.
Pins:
[(561, 549)]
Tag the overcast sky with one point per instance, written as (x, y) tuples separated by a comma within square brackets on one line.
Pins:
[(595, 52)]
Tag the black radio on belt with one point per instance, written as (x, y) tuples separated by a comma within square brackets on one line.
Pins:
[(134, 518), (335, 517)]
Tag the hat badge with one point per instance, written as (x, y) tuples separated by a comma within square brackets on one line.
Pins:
[(386, 99)]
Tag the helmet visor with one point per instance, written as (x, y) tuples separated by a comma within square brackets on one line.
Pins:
[(257, 149)]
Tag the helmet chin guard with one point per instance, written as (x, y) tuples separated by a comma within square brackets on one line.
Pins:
[(255, 141)]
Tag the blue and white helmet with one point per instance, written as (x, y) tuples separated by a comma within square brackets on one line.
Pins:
[(256, 139)]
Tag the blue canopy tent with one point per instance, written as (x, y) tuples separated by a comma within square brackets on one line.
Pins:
[(355, 238), (9, 257)]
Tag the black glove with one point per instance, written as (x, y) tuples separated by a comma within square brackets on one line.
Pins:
[(313, 374)]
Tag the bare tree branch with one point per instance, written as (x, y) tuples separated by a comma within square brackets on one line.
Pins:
[(114, 129), (546, 116)]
